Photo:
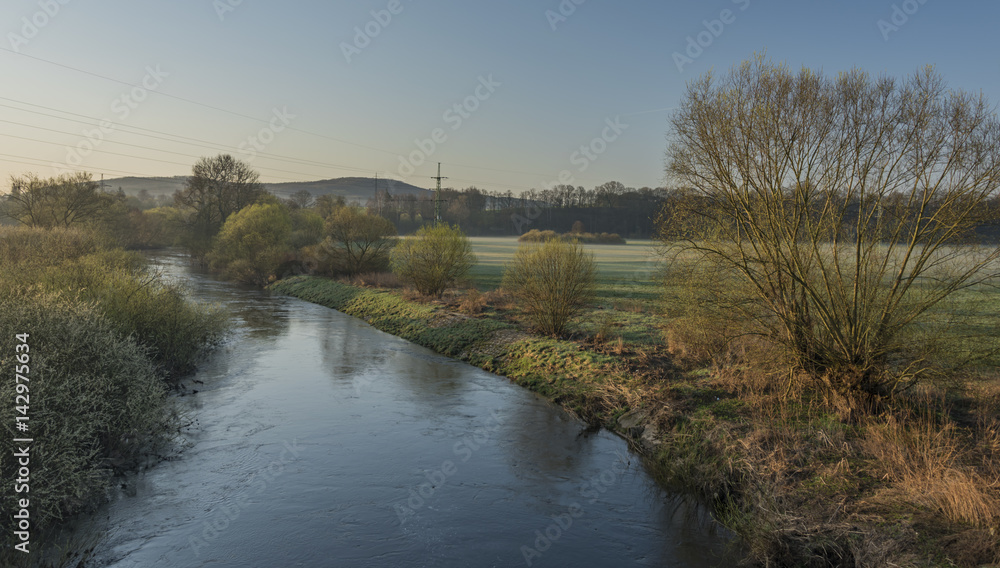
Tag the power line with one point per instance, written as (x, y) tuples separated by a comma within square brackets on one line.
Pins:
[(234, 113), (255, 119), (186, 100), (94, 149), (187, 140), (126, 173)]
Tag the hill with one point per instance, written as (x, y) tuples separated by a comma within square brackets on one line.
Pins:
[(154, 185), (352, 188)]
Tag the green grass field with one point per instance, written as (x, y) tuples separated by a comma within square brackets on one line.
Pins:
[(628, 286), (624, 271)]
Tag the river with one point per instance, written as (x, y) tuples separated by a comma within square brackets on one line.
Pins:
[(316, 440)]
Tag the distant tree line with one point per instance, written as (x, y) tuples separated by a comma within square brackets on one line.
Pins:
[(608, 208)]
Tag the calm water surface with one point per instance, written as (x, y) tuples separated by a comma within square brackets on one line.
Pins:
[(316, 440)]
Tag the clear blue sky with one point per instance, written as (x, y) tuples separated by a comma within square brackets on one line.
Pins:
[(217, 71)]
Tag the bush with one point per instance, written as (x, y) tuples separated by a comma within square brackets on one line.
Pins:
[(536, 236), (118, 284), (307, 228), (24, 246), (139, 304), (97, 402), (498, 299), (156, 228), (101, 330), (252, 244), (472, 303), (433, 259), (552, 282), (356, 242)]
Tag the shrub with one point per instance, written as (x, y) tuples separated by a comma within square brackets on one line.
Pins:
[(536, 236), (140, 304), (472, 303), (252, 244), (158, 227), (433, 259), (22, 246), (552, 282), (356, 242), (498, 299), (118, 284), (307, 228), (97, 402)]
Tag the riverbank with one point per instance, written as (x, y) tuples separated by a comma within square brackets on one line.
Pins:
[(89, 337), (801, 483)]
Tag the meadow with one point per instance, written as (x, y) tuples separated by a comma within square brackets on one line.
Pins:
[(628, 288), (631, 288), (624, 271)]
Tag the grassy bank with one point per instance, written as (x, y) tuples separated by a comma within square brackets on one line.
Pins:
[(88, 338), (802, 481)]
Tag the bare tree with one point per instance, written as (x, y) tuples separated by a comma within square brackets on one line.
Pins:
[(837, 204), (302, 199), (63, 201), (609, 193), (217, 188)]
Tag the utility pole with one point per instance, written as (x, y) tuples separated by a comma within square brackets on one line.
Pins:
[(437, 197), (378, 202)]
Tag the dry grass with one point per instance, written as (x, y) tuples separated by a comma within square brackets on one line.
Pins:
[(373, 280), (499, 299), (604, 328), (412, 295), (805, 482), (472, 303), (691, 345), (923, 462)]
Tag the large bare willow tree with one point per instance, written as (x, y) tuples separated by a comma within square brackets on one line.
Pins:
[(845, 207)]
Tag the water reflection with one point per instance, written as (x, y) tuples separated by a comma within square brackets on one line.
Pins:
[(250, 308), (346, 357), (402, 458)]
